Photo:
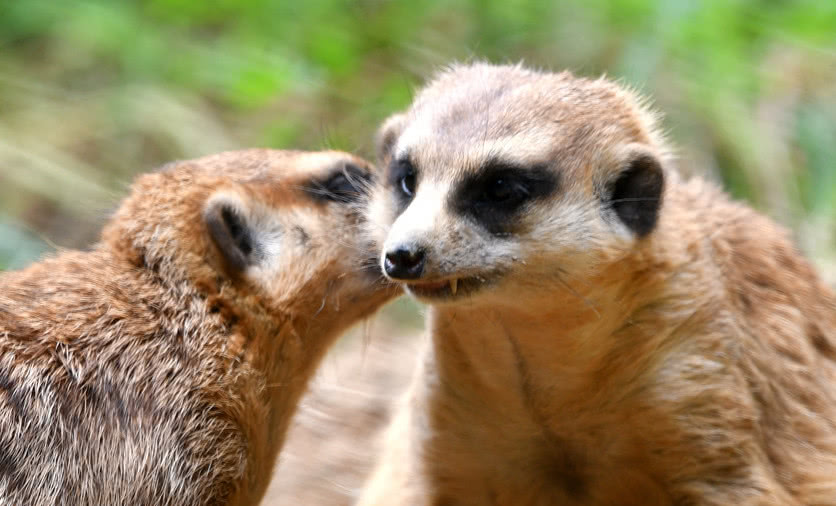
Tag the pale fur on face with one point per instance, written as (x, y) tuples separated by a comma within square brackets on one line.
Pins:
[(472, 115)]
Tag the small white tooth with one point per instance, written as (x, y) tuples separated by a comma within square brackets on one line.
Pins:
[(454, 285)]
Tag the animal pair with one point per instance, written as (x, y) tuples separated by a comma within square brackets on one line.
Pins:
[(601, 331)]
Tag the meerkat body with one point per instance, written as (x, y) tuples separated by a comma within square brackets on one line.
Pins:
[(162, 367), (602, 332)]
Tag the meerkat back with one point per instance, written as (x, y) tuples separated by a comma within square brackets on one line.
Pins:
[(163, 365)]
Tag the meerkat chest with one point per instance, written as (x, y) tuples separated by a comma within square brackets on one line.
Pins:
[(508, 458), (513, 430)]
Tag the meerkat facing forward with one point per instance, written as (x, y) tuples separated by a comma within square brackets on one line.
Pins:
[(602, 332), (162, 367)]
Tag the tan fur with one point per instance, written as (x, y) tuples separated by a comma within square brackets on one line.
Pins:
[(694, 365), (145, 371)]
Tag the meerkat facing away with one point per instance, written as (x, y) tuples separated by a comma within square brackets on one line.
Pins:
[(162, 367), (602, 331)]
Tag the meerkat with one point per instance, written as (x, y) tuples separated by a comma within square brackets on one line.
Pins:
[(602, 331), (162, 367)]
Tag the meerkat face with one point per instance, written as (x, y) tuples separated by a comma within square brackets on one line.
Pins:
[(282, 226), (503, 178), (290, 226)]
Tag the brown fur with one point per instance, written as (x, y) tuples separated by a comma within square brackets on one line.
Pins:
[(691, 365), (147, 371)]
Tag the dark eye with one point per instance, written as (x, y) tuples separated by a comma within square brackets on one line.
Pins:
[(408, 183), (402, 175), (499, 190), (504, 190)]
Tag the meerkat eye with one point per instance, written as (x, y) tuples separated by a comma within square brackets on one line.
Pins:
[(500, 189), (408, 183), (505, 188), (403, 176)]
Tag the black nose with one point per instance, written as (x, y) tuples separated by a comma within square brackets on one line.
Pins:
[(404, 262)]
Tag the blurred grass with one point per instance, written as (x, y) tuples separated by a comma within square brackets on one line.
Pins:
[(93, 91)]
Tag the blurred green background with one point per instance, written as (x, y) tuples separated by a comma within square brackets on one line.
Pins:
[(92, 92)]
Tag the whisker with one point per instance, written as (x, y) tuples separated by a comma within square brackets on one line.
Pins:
[(634, 199), (574, 292)]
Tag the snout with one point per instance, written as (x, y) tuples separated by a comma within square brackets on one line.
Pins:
[(405, 262), (411, 265)]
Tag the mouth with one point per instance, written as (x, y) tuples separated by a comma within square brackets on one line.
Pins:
[(448, 289)]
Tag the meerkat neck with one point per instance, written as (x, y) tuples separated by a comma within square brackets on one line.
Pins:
[(503, 349), (577, 345)]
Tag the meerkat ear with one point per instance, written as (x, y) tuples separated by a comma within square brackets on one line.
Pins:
[(230, 231), (636, 193), (387, 135)]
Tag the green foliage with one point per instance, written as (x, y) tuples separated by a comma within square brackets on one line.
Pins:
[(94, 91), (17, 248)]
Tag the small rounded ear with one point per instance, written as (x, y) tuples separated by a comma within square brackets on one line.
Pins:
[(387, 135), (232, 234), (636, 193)]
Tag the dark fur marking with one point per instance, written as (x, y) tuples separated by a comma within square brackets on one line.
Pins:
[(152, 267), (744, 300), (346, 183), (118, 403), (820, 341), (14, 397), (567, 469), (178, 345), (636, 195), (161, 482), (301, 235), (764, 281), (92, 396), (9, 468), (70, 415), (494, 196)]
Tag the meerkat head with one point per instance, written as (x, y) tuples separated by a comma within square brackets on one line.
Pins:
[(279, 226), (503, 177)]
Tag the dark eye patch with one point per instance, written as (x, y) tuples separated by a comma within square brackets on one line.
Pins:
[(495, 194), (347, 183)]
